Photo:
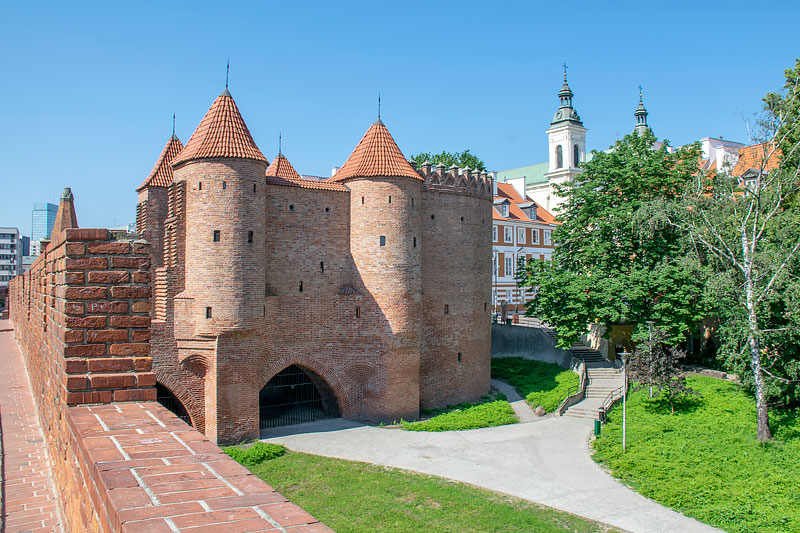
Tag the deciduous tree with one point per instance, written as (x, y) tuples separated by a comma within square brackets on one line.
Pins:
[(448, 159)]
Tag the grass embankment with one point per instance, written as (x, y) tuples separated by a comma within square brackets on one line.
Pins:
[(350, 496), (544, 384), (491, 410), (704, 460)]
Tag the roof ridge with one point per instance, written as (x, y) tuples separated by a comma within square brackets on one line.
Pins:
[(221, 133), (376, 154)]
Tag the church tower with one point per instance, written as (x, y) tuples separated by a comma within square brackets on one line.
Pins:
[(641, 117), (567, 145)]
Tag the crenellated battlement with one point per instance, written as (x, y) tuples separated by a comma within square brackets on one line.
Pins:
[(454, 179)]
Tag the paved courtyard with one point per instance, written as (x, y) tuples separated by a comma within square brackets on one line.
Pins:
[(546, 461)]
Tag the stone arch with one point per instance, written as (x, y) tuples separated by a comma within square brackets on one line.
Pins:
[(194, 407), (269, 367)]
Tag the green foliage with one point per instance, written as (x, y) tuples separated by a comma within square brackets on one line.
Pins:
[(354, 497), (784, 108), (255, 454), (704, 462), (544, 384), (605, 266), (448, 159), (497, 413)]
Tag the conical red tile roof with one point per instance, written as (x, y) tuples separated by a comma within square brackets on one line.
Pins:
[(221, 133), (161, 176), (376, 155), (281, 168)]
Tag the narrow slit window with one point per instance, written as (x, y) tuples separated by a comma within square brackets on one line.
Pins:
[(446, 309), (327, 209), (301, 286), (322, 266), (254, 187), (362, 199), (216, 235), (390, 199), (415, 242), (358, 312), (462, 219), (224, 185), (200, 185), (249, 236), (433, 216), (291, 207), (383, 240), (459, 357), (208, 312), (412, 200)]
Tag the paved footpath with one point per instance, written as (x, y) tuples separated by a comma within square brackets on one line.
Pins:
[(28, 500), (546, 461)]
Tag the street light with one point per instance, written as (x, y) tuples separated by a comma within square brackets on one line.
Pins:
[(650, 347), (625, 356)]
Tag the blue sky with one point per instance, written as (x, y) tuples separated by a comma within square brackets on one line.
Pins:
[(90, 88)]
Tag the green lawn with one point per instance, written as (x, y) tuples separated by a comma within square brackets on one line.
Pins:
[(350, 496), (467, 416), (544, 384), (705, 462)]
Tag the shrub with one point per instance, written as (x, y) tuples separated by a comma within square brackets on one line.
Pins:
[(544, 384), (497, 413), (257, 453)]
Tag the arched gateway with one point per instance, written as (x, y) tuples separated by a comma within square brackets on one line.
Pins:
[(293, 396), (165, 397)]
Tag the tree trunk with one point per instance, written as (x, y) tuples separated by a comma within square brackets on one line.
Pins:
[(762, 416)]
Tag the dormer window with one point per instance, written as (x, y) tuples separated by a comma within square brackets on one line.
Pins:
[(504, 210)]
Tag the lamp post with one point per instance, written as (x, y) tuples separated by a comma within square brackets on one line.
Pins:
[(625, 356), (650, 347)]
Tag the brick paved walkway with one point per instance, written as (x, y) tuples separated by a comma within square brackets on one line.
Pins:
[(28, 503)]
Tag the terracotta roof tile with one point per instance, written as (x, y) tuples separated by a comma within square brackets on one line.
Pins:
[(282, 168), (757, 156), (161, 176), (376, 155), (506, 190), (324, 185), (221, 133)]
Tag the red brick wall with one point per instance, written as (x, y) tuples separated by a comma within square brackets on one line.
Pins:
[(81, 318)]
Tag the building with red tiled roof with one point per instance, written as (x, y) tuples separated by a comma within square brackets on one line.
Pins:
[(281, 299), (757, 159), (521, 229)]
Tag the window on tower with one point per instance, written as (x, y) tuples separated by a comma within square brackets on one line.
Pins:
[(576, 156), (559, 157)]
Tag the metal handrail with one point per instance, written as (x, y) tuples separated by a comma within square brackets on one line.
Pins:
[(613, 397), (574, 391)]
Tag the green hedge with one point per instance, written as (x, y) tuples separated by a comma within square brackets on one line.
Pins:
[(252, 455)]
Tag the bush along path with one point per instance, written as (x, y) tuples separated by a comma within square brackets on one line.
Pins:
[(704, 460)]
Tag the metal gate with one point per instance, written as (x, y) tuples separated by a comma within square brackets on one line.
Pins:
[(165, 397), (295, 396)]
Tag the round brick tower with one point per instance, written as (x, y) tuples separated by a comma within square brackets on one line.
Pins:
[(225, 212), (385, 244)]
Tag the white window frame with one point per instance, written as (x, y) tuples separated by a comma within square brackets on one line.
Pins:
[(494, 233), (494, 265), (504, 210), (547, 240), (509, 265), (535, 236), (508, 234), (521, 235)]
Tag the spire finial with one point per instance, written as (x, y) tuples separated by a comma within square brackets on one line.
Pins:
[(227, 72), (565, 70), (173, 123), (640, 92), (379, 105), (280, 140)]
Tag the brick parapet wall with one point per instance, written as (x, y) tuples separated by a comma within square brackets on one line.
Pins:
[(81, 316), (150, 472)]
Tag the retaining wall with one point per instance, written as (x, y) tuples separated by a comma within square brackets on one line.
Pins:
[(528, 343)]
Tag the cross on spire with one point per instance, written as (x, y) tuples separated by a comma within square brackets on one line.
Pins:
[(640, 89), (565, 69)]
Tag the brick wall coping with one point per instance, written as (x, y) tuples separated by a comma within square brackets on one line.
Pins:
[(154, 473)]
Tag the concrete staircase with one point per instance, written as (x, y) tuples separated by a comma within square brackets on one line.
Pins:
[(603, 378)]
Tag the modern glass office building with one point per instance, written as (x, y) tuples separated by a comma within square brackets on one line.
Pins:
[(44, 216)]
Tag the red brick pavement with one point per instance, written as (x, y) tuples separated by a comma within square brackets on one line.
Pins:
[(30, 503)]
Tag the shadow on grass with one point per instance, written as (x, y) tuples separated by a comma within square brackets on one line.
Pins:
[(659, 405), (785, 424)]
